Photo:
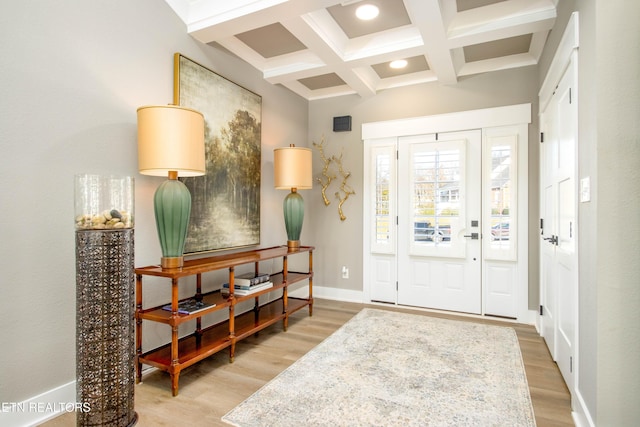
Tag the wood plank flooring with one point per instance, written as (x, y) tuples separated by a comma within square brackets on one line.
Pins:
[(211, 388)]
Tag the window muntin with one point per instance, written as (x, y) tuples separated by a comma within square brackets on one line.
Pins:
[(436, 204), (436, 195)]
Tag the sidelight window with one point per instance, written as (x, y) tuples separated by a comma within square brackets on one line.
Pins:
[(383, 239), (500, 192)]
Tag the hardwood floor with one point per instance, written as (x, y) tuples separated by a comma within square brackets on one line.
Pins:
[(211, 388)]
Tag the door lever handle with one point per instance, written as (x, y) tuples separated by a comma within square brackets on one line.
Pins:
[(553, 239), (474, 236)]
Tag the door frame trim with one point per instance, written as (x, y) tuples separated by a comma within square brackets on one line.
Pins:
[(569, 42), (449, 122)]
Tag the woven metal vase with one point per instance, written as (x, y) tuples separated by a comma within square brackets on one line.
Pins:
[(105, 307)]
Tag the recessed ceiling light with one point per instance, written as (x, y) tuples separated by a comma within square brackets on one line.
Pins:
[(367, 12), (399, 63)]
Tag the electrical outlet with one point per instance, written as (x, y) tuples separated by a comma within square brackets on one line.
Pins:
[(345, 272)]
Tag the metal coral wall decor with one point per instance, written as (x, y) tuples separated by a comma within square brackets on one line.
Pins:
[(329, 174), (345, 190)]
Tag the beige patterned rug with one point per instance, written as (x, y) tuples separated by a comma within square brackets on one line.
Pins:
[(384, 368)]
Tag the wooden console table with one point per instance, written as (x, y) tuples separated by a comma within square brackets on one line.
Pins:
[(202, 343)]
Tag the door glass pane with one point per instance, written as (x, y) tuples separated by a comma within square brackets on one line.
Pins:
[(436, 196), (382, 202), (501, 196)]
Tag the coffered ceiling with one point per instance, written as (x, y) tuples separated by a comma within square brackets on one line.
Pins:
[(319, 49)]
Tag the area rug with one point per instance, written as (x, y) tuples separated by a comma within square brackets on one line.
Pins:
[(385, 368)]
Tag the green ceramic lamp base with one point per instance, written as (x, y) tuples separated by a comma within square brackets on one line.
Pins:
[(293, 207), (172, 206)]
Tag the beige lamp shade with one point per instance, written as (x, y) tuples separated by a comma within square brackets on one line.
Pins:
[(292, 168), (170, 138)]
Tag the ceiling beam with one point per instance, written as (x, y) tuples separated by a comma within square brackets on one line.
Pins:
[(213, 20), (499, 21), (427, 16)]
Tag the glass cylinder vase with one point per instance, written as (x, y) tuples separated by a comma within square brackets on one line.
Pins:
[(103, 202)]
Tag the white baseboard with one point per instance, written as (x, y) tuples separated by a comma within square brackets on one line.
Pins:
[(538, 323), (532, 319), (40, 408), (335, 294), (581, 416)]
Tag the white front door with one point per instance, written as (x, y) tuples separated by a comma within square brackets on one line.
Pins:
[(559, 226), (439, 213)]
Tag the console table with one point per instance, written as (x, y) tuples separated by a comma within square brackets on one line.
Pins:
[(180, 353)]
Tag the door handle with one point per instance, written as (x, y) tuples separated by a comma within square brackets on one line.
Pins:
[(553, 239), (474, 236)]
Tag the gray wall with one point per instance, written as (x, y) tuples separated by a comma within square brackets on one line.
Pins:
[(73, 75), (617, 213), (608, 370), (340, 243)]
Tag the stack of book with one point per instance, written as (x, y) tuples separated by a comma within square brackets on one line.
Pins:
[(247, 284)]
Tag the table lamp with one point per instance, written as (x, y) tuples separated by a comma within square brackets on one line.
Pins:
[(171, 142), (292, 171)]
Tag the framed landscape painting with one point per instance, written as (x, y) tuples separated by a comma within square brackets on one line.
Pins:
[(225, 210)]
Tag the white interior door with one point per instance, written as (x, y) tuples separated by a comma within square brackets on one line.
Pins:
[(559, 226), (549, 196), (439, 230), (566, 226)]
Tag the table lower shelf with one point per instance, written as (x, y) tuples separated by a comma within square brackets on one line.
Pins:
[(192, 349)]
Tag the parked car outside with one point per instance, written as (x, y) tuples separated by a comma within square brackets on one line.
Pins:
[(424, 232), (500, 231)]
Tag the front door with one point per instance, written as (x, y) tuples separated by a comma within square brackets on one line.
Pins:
[(445, 213), (439, 213)]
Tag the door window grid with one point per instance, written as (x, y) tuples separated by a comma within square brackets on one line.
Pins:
[(436, 195)]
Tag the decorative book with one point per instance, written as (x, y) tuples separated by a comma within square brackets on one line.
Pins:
[(240, 291), (251, 278), (190, 306)]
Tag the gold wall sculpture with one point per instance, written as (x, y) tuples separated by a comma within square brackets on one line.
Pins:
[(345, 190), (329, 174)]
